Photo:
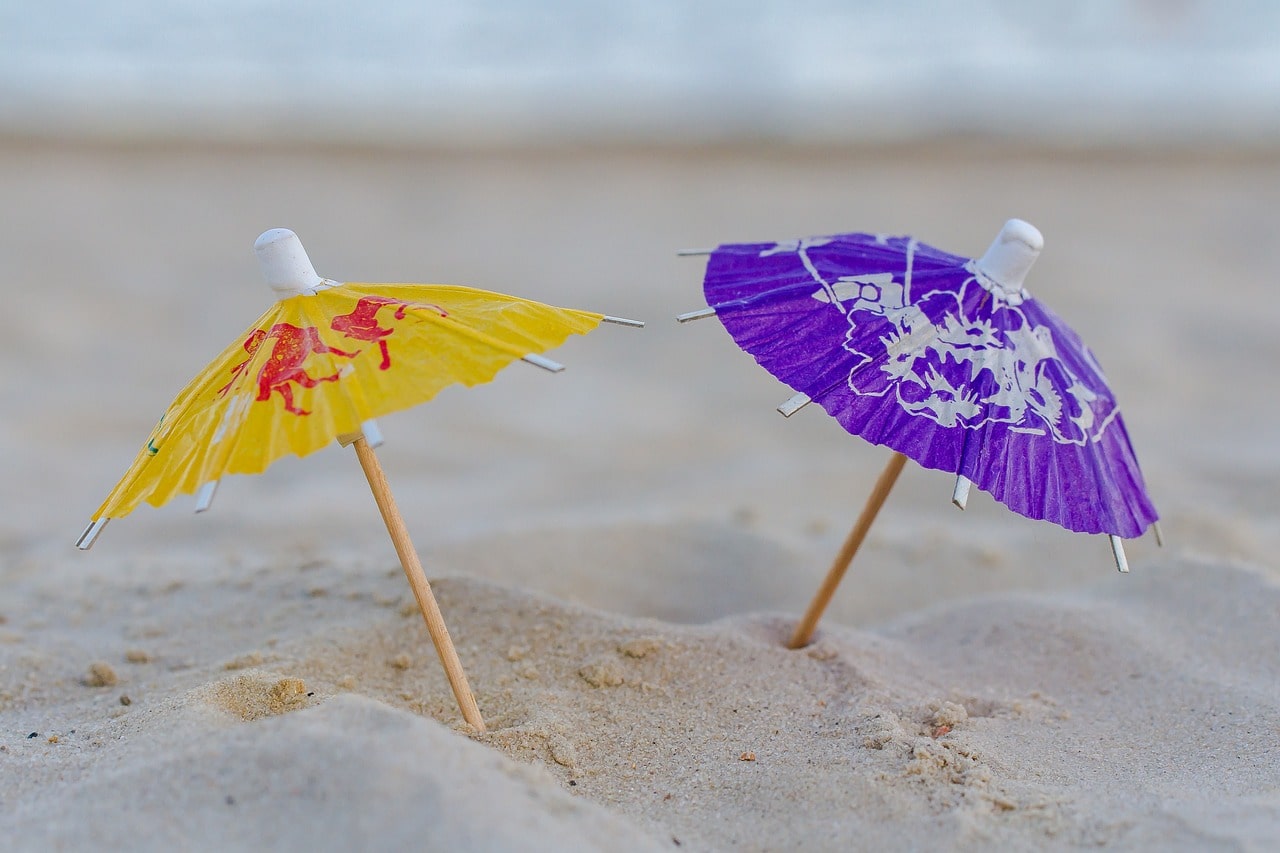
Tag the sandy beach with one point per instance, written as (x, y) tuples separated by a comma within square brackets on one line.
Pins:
[(620, 550)]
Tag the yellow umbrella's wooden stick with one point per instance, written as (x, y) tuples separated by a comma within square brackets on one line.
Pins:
[(418, 581), (804, 631)]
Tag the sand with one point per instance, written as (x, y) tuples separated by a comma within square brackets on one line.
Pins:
[(621, 549)]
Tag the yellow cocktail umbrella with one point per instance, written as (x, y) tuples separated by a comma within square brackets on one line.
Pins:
[(321, 364)]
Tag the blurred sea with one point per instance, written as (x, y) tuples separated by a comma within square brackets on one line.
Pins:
[(1068, 72)]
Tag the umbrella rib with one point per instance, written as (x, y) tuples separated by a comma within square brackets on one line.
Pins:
[(622, 321), (699, 314), (1117, 551), (813, 271), (794, 404), (906, 278), (482, 337), (450, 322), (90, 535)]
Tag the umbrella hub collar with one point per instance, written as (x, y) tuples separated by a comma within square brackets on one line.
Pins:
[(1010, 296), (1004, 266)]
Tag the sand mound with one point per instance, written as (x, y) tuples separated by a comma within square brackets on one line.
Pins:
[(1139, 711), (343, 776), (969, 724)]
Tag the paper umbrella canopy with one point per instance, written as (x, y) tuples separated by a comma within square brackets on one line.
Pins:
[(324, 361), (945, 359)]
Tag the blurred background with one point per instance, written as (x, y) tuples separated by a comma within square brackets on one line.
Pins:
[(564, 151), (504, 71)]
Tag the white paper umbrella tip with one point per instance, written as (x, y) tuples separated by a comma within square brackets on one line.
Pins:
[(1021, 231), (285, 264), (271, 236)]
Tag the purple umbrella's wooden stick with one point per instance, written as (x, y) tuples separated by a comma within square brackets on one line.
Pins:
[(804, 631)]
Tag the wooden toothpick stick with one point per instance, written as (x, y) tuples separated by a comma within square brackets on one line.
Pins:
[(804, 631), (418, 582)]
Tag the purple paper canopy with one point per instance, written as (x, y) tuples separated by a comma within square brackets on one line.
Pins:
[(918, 350)]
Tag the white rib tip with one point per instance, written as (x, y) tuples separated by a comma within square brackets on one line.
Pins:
[(960, 494), (1117, 550), (285, 264), (623, 321), (692, 253), (372, 435), (695, 315), (544, 363), (90, 535), (1155, 528), (794, 404), (204, 497), (1011, 254), (369, 431)]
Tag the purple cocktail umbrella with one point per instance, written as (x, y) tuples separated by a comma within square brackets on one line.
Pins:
[(944, 359)]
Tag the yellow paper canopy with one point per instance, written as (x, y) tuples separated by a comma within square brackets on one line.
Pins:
[(317, 366)]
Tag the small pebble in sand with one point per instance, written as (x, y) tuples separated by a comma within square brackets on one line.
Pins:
[(137, 656), (939, 731), (883, 729), (992, 557), (601, 674), (947, 715), (640, 647), (33, 734), (562, 752), (53, 738), (401, 661), (101, 675), (125, 700), (285, 693), (822, 652), (817, 526), (244, 661), (747, 756), (254, 695)]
